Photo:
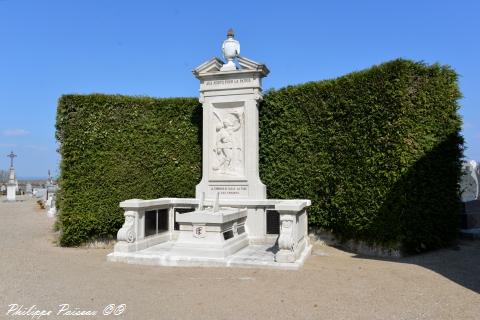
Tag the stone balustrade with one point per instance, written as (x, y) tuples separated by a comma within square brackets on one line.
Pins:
[(291, 239)]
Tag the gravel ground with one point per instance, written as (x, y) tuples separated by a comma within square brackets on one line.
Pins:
[(333, 284)]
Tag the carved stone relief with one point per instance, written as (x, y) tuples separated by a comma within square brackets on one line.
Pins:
[(227, 143)]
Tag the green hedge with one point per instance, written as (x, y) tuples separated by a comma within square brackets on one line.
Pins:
[(378, 153), (115, 148)]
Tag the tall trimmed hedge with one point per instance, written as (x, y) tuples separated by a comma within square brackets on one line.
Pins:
[(115, 148), (378, 153)]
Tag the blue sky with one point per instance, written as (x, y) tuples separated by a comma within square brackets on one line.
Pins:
[(50, 48)]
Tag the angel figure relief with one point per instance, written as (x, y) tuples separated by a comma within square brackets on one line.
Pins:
[(228, 146)]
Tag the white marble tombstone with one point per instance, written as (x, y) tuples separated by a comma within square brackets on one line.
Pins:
[(469, 182)]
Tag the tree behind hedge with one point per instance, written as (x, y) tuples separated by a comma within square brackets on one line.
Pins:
[(378, 153)]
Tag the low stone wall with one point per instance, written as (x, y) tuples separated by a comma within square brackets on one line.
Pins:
[(291, 240), (322, 237)]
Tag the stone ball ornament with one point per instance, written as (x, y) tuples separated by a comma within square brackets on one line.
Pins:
[(231, 50)]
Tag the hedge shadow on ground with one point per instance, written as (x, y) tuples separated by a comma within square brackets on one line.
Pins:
[(459, 262)]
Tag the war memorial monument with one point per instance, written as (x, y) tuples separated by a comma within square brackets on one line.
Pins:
[(230, 222)]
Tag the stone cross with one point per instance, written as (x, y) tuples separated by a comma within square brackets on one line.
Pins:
[(11, 156)]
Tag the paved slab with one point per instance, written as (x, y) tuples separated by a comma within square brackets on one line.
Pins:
[(252, 256), (332, 284)]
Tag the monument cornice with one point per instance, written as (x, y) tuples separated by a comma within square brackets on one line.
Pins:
[(212, 68)]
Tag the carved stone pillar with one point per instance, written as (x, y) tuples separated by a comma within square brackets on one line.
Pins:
[(293, 238), (286, 239)]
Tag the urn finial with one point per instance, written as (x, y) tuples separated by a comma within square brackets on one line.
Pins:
[(231, 50)]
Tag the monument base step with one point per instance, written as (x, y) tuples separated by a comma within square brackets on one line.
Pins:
[(253, 256)]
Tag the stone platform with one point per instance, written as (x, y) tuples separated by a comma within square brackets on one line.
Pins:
[(252, 256)]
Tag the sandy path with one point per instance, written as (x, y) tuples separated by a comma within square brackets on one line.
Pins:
[(332, 285)]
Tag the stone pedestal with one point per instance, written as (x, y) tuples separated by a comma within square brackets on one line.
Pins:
[(12, 184), (230, 129), (11, 192), (293, 237)]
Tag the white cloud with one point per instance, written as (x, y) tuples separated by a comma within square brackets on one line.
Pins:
[(7, 145), (16, 132)]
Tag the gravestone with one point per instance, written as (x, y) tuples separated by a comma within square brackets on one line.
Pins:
[(40, 193), (48, 197), (29, 189)]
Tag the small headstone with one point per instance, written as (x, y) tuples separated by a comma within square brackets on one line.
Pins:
[(28, 189), (39, 192)]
